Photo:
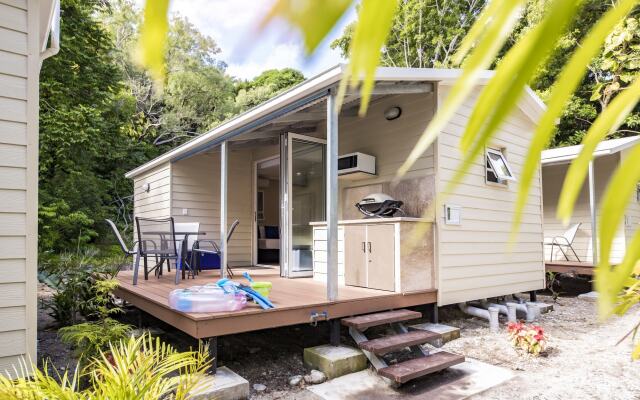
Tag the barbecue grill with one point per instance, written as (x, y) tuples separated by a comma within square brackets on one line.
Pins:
[(379, 205)]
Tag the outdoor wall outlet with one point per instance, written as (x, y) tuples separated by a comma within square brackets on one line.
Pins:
[(185, 211), (452, 214)]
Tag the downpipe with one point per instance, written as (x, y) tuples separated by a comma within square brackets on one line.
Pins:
[(508, 309), (490, 315), (529, 309)]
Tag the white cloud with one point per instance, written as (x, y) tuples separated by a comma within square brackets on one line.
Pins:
[(232, 23)]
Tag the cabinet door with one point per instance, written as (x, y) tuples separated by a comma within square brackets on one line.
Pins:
[(355, 257), (381, 260)]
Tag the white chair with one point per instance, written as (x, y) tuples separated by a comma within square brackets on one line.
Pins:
[(182, 228), (564, 241)]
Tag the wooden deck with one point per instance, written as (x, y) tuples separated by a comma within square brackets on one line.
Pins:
[(295, 300), (569, 267)]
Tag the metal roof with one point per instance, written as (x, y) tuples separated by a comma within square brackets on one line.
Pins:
[(309, 91), (564, 155)]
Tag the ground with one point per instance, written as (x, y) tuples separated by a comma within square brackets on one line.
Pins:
[(582, 362)]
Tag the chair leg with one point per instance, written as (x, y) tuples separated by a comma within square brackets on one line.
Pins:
[(146, 268), (576, 255), (136, 264), (178, 268)]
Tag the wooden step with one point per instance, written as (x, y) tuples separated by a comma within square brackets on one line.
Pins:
[(417, 367), (388, 344), (363, 322)]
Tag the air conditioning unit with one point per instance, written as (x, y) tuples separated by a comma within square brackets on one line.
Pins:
[(356, 166)]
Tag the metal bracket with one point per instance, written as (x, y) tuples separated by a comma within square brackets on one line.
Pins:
[(318, 316)]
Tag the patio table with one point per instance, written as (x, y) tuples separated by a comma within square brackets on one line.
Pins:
[(183, 251)]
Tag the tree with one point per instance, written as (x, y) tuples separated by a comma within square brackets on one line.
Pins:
[(611, 71), (264, 86), (197, 92), (85, 123), (424, 34)]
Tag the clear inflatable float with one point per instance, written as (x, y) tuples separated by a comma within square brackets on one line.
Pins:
[(206, 299)]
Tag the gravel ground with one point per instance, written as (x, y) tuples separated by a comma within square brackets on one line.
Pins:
[(582, 361)]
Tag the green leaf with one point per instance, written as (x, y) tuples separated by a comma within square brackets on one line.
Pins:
[(374, 23), (566, 84), (494, 34), (608, 121), (152, 45), (622, 185), (314, 19)]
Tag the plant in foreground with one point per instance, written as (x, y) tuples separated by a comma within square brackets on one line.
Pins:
[(530, 338), (136, 368), (89, 338)]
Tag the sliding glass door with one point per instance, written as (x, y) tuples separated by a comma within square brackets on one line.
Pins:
[(303, 201)]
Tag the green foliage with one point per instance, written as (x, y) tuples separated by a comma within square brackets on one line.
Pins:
[(137, 368), (264, 86), (62, 229), (89, 338), (75, 278), (424, 34)]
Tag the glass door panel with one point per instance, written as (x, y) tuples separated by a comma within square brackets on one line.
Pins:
[(304, 201)]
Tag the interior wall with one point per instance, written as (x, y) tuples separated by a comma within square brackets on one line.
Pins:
[(553, 178), (271, 202)]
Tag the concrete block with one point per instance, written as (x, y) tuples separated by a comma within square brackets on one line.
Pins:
[(591, 296), (224, 385), (545, 307), (448, 333), (335, 361)]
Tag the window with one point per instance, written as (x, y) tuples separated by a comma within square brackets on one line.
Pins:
[(498, 170)]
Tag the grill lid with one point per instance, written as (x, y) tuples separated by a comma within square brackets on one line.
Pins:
[(379, 205)]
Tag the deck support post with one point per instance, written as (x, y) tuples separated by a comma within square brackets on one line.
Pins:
[(213, 353), (434, 313), (592, 209), (223, 209), (334, 332), (332, 197), (533, 297)]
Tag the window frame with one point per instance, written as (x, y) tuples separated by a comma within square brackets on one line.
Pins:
[(491, 167)]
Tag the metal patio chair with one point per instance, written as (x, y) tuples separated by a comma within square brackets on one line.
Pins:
[(564, 241), (191, 231), (125, 249), (213, 248), (156, 238)]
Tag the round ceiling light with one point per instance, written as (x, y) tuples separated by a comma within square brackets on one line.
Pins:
[(392, 113)]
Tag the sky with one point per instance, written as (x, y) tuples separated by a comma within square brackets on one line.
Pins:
[(232, 23)]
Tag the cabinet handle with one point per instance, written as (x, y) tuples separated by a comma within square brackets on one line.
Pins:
[(363, 248), (369, 244)]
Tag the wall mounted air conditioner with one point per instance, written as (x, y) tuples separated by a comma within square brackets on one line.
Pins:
[(356, 166)]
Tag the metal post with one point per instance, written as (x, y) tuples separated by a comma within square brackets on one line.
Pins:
[(213, 353), (223, 209), (592, 209), (332, 197), (334, 332)]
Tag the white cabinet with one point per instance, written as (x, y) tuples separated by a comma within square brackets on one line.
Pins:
[(373, 253)]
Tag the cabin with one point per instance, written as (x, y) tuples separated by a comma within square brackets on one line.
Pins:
[(291, 171), (555, 163), (29, 33)]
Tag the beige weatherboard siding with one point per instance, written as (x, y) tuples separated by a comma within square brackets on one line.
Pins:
[(609, 154), (24, 27), (470, 261), (474, 258)]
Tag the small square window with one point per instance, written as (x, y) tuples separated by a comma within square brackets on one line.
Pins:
[(498, 170)]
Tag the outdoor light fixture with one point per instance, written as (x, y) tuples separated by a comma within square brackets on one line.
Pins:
[(147, 187), (392, 113)]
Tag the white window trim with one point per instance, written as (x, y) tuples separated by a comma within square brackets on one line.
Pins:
[(502, 179)]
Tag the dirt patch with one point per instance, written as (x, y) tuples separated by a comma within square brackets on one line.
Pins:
[(51, 351), (582, 361)]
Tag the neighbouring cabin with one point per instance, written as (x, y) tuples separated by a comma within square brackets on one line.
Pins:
[(555, 164), (293, 180), (24, 40)]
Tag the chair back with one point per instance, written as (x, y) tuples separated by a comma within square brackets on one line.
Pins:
[(116, 232), (232, 229), (188, 227), (571, 233), (156, 236)]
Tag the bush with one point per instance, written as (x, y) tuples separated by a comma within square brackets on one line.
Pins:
[(89, 338), (529, 338), (141, 368), (73, 276)]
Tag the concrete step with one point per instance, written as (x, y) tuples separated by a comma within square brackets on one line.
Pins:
[(417, 367), (362, 322), (388, 344)]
